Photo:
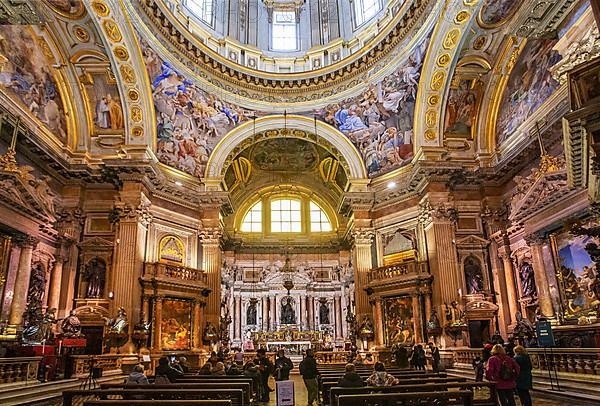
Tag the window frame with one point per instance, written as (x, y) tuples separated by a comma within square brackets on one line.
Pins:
[(272, 26), (249, 213), (284, 211), (356, 4), (198, 5)]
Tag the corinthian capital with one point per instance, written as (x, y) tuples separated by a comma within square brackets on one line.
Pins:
[(210, 235), (536, 239), (27, 241), (126, 212), (363, 236), (443, 211)]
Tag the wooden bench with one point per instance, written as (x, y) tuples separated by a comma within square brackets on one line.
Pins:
[(157, 402), (327, 385), (463, 397), (244, 386), (491, 400), (235, 396)]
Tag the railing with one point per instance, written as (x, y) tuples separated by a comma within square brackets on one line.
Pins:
[(569, 360), (21, 369), (332, 357), (108, 363), (393, 271), (182, 273)]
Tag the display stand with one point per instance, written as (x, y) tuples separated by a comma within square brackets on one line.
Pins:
[(285, 393), (545, 338)]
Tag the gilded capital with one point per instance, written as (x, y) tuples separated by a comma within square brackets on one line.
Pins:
[(126, 212), (363, 236), (210, 236), (442, 212)]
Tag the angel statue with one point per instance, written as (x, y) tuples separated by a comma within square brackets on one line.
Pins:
[(119, 325)]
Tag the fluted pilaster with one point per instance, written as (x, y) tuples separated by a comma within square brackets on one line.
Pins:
[(363, 263), (211, 263), (536, 242), (21, 287)]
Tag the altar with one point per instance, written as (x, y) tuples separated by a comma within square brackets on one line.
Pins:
[(290, 347)]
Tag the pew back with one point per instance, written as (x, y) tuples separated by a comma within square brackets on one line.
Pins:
[(463, 398)]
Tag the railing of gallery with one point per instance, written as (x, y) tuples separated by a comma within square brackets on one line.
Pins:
[(160, 270), (20, 369), (572, 360), (394, 271)]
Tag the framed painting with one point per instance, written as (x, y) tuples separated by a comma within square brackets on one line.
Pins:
[(176, 324), (398, 320), (584, 84), (576, 275)]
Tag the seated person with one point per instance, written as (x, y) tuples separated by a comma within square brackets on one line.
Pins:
[(206, 369), (380, 377), (351, 379), (219, 369), (165, 373)]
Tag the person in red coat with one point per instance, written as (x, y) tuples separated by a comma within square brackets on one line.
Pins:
[(503, 371)]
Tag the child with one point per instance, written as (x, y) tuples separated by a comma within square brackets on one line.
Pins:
[(478, 367)]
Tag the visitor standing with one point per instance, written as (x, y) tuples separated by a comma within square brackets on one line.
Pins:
[(265, 367), (283, 366), (524, 379), (503, 370), (309, 372), (435, 357)]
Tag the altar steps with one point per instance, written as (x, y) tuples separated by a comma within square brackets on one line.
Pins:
[(583, 389)]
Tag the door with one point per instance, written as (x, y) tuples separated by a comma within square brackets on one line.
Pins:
[(479, 333)]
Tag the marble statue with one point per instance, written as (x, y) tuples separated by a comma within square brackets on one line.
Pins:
[(288, 316), (41, 331), (210, 333), (524, 327), (527, 280), (324, 313), (94, 274), (71, 326), (473, 275), (251, 314)]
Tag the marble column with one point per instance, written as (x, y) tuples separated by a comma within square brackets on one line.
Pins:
[(511, 287), (311, 313), (417, 317), (301, 318), (196, 322), (265, 313), (306, 313), (55, 282), (19, 303), (129, 259), (211, 264), (337, 301), (378, 322), (541, 278), (237, 317), (363, 263), (156, 325), (145, 307), (272, 313)]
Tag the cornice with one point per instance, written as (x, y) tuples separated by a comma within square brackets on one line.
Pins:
[(273, 87)]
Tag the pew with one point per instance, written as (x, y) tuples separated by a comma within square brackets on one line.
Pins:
[(244, 386), (462, 397), (490, 400), (157, 402), (235, 396)]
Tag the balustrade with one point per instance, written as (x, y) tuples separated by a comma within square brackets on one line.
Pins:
[(393, 271), (168, 271), (20, 369), (332, 357), (82, 363), (571, 360)]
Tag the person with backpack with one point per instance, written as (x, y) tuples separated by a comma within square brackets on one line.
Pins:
[(283, 366), (309, 372), (503, 370), (524, 380)]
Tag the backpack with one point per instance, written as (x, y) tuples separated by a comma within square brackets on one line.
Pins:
[(161, 380), (507, 372)]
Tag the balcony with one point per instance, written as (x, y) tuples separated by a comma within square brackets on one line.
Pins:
[(173, 277)]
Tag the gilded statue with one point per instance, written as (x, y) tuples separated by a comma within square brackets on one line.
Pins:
[(454, 315), (118, 325)]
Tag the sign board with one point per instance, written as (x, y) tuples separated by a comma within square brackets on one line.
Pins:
[(146, 358), (285, 393), (544, 334)]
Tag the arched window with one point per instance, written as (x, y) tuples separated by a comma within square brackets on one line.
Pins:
[(286, 216), (252, 222), (364, 10), (203, 9), (318, 219)]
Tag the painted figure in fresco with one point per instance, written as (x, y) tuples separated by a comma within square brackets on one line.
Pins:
[(527, 280), (95, 274), (288, 316), (324, 313), (473, 275), (251, 313), (102, 113)]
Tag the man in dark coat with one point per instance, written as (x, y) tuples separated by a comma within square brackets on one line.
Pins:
[(265, 367), (283, 366), (309, 372), (351, 379)]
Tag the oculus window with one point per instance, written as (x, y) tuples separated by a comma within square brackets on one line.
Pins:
[(203, 9), (318, 219), (284, 31), (364, 10), (252, 222), (286, 216)]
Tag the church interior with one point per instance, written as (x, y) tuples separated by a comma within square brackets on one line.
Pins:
[(348, 178)]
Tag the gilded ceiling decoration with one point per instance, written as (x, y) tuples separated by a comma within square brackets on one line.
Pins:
[(285, 155), (494, 13)]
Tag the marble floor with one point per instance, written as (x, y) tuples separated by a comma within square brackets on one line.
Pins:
[(300, 396)]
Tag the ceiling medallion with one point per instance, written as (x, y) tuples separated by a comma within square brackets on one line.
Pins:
[(121, 53), (100, 8), (112, 30), (462, 17), (430, 135), (136, 114), (137, 132), (479, 42), (433, 100), (443, 60), (437, 81), (451, 38), (133, 95), (127, 73), (81, 33)]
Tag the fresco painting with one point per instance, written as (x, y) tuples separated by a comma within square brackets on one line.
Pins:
[(176, 324), (26, 75), (529, 85), (398, 316), (495, 12), (190, 121)]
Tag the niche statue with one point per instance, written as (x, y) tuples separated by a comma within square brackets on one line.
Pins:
[(324, 313), (251, 313), (94, 274), (71, 326), (288, 316)]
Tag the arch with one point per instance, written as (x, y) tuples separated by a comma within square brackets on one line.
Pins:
[(339, 141)]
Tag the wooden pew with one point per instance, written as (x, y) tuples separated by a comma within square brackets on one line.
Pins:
[(157, 402), (328, 384), (463, 397), (491, 400), (244, 386), (236, 396), (189, 378)]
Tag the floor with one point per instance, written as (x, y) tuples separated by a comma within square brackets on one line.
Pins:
[(301, 396)]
